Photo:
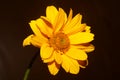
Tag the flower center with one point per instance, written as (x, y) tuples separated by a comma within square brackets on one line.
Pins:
[(60, 41)]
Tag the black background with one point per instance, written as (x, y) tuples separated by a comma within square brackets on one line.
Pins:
[(102, 15)]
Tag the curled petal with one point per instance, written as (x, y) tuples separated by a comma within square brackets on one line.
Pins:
[(85, 47), (27, 41), (47, 22), (34, 40), (44, 26), (60, 20), (34, 27), (69, 17), (83, 63), (77, 28), (73, 23)]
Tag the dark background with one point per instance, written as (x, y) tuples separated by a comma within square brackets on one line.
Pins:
[(102, 15)]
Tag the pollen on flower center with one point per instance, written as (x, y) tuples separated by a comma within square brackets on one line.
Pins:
[(60, 41)]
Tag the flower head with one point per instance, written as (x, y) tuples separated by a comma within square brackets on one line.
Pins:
[(64, 41)]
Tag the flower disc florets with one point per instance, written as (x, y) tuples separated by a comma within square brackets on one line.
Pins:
[(60, 42)]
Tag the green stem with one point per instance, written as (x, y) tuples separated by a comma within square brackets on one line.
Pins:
[(30, 66), (26, 74)]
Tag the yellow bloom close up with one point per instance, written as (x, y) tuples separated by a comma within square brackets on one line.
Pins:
[(64, 40)]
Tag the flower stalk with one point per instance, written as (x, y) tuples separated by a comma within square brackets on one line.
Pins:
[(30, 66)]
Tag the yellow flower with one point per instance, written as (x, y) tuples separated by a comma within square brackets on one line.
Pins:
[(64, 41)]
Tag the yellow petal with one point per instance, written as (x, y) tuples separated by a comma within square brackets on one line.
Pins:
[(85, 47), (46, 51), (89, 48), (60, 20), (77, 28), (74, 67), (44, 27), (69, 17), (58, 57), (37, 41), (34, 28), (27, 41), (70, 65), (53, 68), (50, 59), (47, 22), (65, 63), (81, 37), (74, 23), (76, 54), (51, 13), (68, 20), (87, 29)]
